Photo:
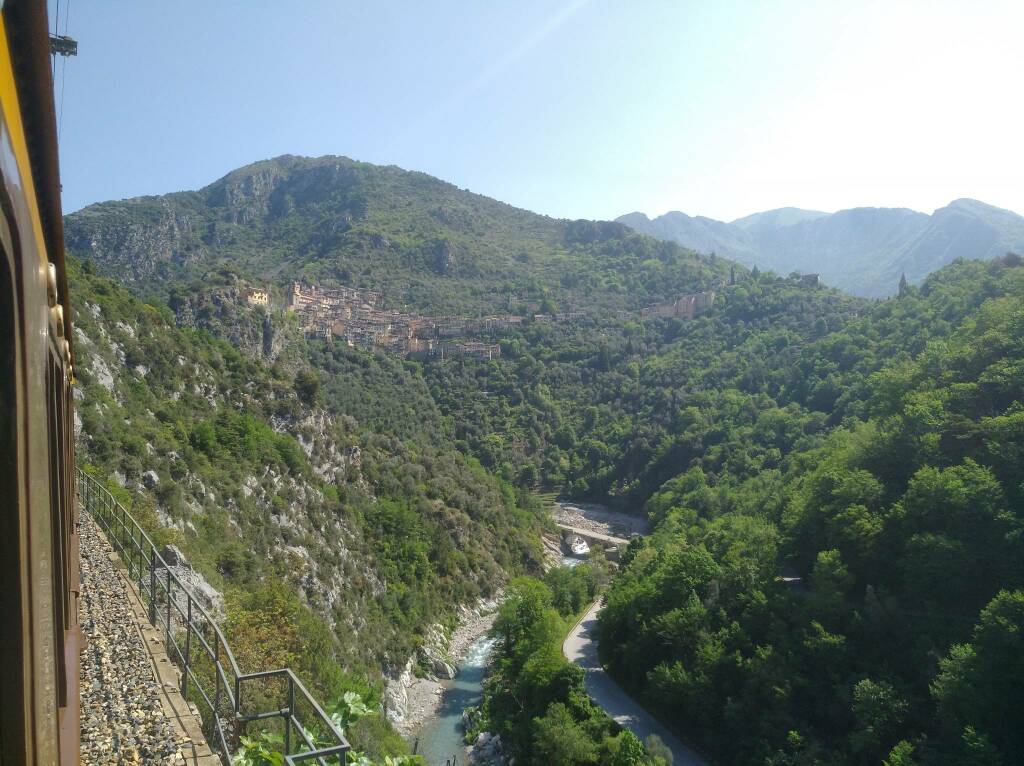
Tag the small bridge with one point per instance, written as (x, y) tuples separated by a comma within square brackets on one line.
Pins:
[(595, 538)]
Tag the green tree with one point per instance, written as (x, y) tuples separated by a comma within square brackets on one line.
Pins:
[(902, 754), (981, 683), (626, 750), (879, 711), (658, 750), (307, 387), (524, 606), (560, 741), (830, 581)]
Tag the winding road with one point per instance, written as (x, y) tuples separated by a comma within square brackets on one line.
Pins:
[(580, 646)]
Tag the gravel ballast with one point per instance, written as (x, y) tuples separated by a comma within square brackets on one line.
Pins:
[(122, 720)]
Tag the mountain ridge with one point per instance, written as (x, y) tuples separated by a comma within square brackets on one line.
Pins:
[(864, 250), (422, 240)]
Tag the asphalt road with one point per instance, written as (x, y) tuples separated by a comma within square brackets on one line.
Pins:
[(580, 646)]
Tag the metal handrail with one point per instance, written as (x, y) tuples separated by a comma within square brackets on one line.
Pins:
[(199, 640)]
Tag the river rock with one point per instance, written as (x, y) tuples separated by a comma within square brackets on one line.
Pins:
[(486, 749), (442, 669)]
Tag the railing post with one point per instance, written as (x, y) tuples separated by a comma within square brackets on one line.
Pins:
[(188, 647), (237, 722), (216, 693), (288, 719), (152, 588), (167, 569), (138, 557)]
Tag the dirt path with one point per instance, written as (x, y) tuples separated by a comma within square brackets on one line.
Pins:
[(580, 646)]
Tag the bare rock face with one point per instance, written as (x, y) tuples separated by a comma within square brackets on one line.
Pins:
[(436, 653), (273, 342), (224, 312), (144, 248), (444, 257), (247, 194), (211, 599), (172, 555), (396, 694)]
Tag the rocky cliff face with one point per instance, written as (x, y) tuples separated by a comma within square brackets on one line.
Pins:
[(145, 239), (319, 553), (280, 516), (255, 474), (258, 332)]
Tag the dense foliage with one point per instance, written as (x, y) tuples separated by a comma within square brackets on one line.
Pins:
[(612, 409), (534, 698), (837, 490), (860, 599)]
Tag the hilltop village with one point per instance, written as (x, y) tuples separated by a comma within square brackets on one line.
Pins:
[(358, 317), (683, 307)]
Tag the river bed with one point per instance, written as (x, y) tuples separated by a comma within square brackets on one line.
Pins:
[(440, 739), (600, 519)]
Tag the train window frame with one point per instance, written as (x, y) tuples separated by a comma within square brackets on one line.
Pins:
[(58, 519)]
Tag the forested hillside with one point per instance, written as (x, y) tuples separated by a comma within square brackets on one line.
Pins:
[(327, 489), (837, 491), (300, 503), (854, 601)]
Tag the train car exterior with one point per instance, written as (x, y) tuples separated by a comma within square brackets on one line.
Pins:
[(40, 638)]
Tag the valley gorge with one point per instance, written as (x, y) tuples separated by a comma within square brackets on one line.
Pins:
[(808, 462)]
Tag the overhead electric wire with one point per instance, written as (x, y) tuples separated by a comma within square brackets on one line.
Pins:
[(56, 30), (60, 106), (63, 65)]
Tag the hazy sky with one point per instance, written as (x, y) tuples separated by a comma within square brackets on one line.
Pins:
[(581, 108)]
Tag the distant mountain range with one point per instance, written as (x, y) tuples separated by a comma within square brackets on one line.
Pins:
[(862, 250)]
